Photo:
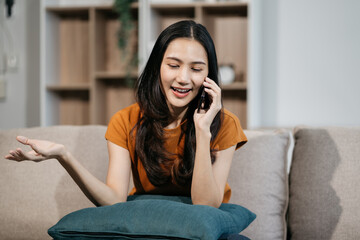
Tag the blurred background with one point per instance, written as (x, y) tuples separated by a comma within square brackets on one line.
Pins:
[(282, 62)]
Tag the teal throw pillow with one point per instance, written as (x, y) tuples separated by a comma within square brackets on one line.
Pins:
[(153, 217)]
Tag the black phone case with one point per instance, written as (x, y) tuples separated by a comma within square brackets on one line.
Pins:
[(204, 102)]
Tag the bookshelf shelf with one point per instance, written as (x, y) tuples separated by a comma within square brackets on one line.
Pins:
[(115, 75), (72, 87), (237, 86)]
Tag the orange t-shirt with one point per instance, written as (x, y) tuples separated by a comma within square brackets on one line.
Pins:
[(119, 132)]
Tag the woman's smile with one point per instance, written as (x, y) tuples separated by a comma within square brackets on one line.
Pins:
[(180, 92)]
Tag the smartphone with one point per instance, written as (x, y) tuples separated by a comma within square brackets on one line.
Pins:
[(204, 102)]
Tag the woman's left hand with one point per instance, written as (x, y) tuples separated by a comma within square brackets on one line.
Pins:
[(204, 118), (41, 150)]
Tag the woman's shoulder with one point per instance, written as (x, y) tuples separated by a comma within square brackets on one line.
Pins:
[(230, 118), (230, 133), (128, 114), (133, 108)]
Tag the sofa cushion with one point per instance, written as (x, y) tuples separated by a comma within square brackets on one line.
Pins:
[(153, 217), (34, 196), (324, 178), (258, 179)]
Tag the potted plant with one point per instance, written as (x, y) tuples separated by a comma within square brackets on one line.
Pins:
[(123, 10)]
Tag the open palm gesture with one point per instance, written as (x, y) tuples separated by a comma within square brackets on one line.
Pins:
[(41, 150)]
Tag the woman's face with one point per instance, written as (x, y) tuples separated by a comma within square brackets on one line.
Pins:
[(182, 72)]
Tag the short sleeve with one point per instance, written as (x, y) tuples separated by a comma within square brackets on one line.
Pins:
[(121, 125), (117, 131), (230, 133)]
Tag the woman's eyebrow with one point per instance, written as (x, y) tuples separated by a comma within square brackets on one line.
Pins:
[(179, 60), (199, 62)]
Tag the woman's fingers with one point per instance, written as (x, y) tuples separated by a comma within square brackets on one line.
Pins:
[(19, 155), (209, 83), (212, 88), (23, 140), (33, 156), (214, 91), (25, 156), (41, 150), (211, 92), (204, 117), (13, 155), (30, 142), (10, 156)]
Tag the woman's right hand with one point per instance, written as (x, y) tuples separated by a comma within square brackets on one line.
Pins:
[(41, 150)]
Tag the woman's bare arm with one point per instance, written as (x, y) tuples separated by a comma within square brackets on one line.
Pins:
[(209, 180), (96, 191)]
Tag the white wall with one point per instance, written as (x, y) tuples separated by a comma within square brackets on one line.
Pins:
[(20, 108), (309, 63), (33, 63)]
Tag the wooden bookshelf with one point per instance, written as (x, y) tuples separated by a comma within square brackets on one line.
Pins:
[(112, 67), (87, 77), (86, 74)]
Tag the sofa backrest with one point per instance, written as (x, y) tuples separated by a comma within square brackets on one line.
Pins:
[(34, 196), (324, 179)]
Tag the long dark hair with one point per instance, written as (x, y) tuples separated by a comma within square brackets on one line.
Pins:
[(160, 165)]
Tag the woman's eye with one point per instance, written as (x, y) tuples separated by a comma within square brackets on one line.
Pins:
[(197, 69), (173, 66)]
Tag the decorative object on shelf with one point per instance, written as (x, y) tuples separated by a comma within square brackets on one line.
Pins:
[(227, 74)]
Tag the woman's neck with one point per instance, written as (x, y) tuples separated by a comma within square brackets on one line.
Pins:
[(177, 117)]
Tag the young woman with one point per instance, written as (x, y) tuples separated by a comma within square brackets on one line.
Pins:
[(176, 140)]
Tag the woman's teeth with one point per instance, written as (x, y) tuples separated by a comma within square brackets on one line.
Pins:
[(181, 90)]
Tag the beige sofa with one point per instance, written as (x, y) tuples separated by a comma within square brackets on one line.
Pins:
[(317, 200)]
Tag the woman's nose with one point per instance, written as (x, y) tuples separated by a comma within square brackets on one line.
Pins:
[(183, 76)]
